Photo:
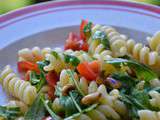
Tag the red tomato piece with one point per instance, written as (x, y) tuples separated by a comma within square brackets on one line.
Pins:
[(84, 47), (27, 75), (24, 66), (73, 42), (82, 25), (95, 66), (85, 70), (52, 78), (51, 92)]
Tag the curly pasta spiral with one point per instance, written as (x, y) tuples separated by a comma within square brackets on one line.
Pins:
[(148, 115), (154, 42), (65, 78), (110, 106), (142, 53), (117, 41), (35, 54), (155, 101), (16, 103), (81, 55), (56, 64), (16, 87)]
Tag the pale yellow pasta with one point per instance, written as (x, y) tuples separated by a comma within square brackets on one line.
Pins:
[(55, 63), (81, 55), (155, 101), (16, 103), (35, 54), (142, 53), (117, 41), (154, 42), (148, 115), (18, 88), (56, 106), (65, 78)]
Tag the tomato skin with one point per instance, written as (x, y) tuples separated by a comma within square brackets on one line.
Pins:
[(52, 78), (51, 92), (24, 66), (84, 47), (95, 66), (85, 70), (82, 25), (73, 42), (27, 75)]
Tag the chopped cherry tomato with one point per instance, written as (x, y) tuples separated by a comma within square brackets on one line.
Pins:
[(85, 70), (52, 78), (95, 66), (24, 66), (83, 24), (73, 42), (51, 92), (47, 118), (27, 75), (84, 47)]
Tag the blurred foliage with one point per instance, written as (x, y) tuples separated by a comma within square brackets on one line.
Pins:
[(8, 5), (155, 2)]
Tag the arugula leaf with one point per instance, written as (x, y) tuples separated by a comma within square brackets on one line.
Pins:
[(142, 71), (90, 108), (128, 83), (55, 54), (34, 78), (71, 59), (102, 37), (47, 105), (9, 113), (76, 98), (41, 65), (37, 80), (36, 111), (71, 74), (87, 30)]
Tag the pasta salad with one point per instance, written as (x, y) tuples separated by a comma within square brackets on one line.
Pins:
[(100, 74)]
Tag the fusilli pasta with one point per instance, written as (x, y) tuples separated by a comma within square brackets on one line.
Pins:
[(35, 54), (18, 88)]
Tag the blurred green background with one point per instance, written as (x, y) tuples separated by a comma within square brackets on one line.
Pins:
[(9, 5)]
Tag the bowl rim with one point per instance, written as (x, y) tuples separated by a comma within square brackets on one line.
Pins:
[(55, 4)]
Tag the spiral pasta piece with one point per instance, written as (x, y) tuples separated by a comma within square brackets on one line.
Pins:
[(117, 41), (18, 88), (35, 54), (148, 115), (142, 53), (155, 98), (81, 55), (109, 106), (65, 78), (16, 103), (154, 42)]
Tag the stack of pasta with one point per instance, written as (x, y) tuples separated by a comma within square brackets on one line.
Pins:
[(100, 74)]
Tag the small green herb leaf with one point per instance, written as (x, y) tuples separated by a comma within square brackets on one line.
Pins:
[(71, 74), (36, 111), (47, 105), (142, 71), (55, 54), (9, 113), (88, 29), (71, 59), (102, 37)]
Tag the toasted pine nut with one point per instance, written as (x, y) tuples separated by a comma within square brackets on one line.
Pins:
[(91, 98), (67, 88)]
